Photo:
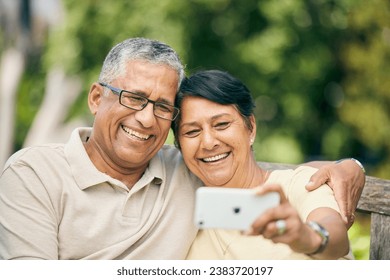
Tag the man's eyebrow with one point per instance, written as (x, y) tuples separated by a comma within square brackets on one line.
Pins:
[(165, 101), (160, 100)]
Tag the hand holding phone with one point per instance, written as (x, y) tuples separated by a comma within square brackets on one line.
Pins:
[(231, 208)]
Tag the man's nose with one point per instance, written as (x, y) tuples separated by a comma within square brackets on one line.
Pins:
[(146, 116)]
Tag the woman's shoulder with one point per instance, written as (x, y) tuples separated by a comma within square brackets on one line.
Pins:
[(289, 175)]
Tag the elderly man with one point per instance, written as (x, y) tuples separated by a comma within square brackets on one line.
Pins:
[(113, 191)]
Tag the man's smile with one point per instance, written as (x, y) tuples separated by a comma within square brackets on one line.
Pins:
[(135, 134)]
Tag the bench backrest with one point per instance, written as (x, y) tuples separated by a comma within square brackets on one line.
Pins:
[(375, 200)]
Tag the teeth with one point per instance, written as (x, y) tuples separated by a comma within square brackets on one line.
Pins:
[(135, 133), (215, 158)]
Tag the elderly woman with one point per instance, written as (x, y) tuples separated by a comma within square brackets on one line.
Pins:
[(215, 132)]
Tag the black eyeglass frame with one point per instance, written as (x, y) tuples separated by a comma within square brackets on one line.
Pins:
[(119, 92)]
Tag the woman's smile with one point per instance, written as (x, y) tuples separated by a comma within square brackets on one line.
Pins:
[(215, 158)]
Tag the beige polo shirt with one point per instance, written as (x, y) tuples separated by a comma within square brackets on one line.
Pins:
[(54, 204)]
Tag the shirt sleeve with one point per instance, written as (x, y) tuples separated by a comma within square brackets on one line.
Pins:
[(28, 223), (307, 201), (294, 182)]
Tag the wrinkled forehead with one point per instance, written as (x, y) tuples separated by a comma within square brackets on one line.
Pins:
[(148, 78)]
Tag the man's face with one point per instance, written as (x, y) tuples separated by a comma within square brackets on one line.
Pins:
[(126, 138)]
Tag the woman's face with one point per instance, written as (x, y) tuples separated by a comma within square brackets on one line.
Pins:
[(215, 141)]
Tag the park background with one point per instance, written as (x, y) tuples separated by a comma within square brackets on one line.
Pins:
[(319, 70)]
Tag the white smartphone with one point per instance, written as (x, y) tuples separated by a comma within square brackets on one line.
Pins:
[(230, 208)]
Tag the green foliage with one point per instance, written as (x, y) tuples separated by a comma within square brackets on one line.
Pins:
[(93, 27), (319, 70), (365, 56), (29, 98), (359, 235)]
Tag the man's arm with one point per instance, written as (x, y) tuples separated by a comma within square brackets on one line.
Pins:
[(346, 177), (28, 224)]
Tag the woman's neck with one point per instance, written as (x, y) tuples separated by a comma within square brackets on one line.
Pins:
[(252, 176)]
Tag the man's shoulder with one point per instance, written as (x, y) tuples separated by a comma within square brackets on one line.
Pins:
[(172, 161), (35, 154), (170, 153), (49, 152)]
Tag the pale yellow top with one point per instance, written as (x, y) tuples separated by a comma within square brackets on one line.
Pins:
[(231, 244), (54, 204)]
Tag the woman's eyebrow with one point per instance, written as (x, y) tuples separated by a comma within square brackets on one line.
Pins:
[(193, 123)]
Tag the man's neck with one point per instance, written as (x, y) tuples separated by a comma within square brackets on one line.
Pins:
[(127, 175)]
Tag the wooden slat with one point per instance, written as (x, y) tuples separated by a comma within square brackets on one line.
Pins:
[(273, 166), (376, 196), (380, 237)]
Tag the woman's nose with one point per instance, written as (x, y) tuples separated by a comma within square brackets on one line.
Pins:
[(209, 140)]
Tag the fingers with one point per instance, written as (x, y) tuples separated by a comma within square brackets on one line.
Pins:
[(267, 188), (350, 220), (334, 176), (341, 195), (284, 230), (317, 179), (276, 229), (350, 209), (267, 224), (270, 230)]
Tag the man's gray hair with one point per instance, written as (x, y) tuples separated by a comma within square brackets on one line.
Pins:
[(152, 51)]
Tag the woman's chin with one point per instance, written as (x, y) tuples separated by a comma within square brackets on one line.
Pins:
[(216, 182)]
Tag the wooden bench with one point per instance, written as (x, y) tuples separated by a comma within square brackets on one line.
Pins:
[(375, 200)]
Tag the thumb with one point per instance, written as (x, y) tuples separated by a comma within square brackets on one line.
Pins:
[(317, 179)]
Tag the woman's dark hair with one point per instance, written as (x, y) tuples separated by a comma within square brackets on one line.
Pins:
[(219, 87)]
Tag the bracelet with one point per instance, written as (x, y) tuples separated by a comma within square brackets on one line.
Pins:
[(354, 160), (322, 232)]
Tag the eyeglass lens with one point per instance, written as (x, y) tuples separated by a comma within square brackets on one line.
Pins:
[(137, 102)]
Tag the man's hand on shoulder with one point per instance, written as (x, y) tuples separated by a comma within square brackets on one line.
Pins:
[(346, 177)]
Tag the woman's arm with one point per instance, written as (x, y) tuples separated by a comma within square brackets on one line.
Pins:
[(283, 224), (327, 222), (346, 178)]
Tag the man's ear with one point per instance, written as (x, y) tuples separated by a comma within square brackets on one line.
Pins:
[(94, 97)]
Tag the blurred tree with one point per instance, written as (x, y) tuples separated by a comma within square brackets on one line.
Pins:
[(15, 26), (94, 26), (365, 58), (317, 68)]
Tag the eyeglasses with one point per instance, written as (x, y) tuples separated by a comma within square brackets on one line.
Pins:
[(138, 102)]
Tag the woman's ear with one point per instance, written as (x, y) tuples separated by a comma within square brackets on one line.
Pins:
[(94, 97), (252, 134)]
